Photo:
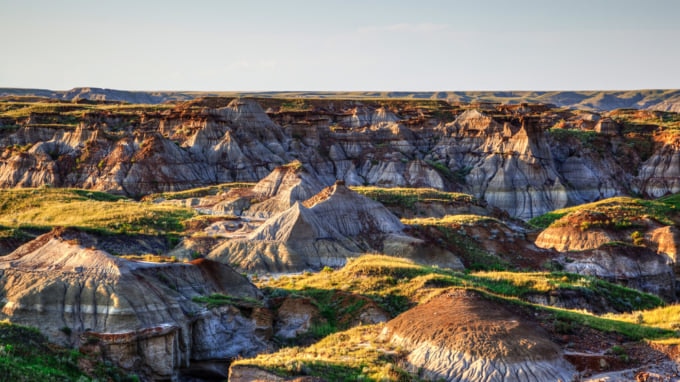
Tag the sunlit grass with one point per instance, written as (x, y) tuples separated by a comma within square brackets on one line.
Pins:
[(620, 210), (47, 207), (450, 219), (407, 197), (398, 284), (667, 317), (198, 192), (25, 109), (355, 354)]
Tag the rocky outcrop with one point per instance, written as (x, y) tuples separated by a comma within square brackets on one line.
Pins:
[(510, 166), (295, 316), (505, 155), (635, 267), (325, 230), (282, 188), (660, 174), (141, 316), (461, 336)]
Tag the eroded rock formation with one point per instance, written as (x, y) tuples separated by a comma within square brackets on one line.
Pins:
[(462, 336), (140, 315), (505, 155)]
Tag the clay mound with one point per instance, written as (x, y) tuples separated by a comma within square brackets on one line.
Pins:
[(461, 336), (353, 214), (570, 238), (383, 116), (282, 188), (295, 224), (294, 240), (338, 224), (142, 313), (62, 251)]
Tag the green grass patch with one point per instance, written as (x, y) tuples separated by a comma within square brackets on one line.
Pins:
[(89, 210), (217, 299), (356, 354), (25, 355), (398, 284), (198, 192), (618, 212), (352, 355), (587, 138), (408, 197)]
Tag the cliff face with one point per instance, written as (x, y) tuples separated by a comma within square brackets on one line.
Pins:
[(506, 155), (141, 316)]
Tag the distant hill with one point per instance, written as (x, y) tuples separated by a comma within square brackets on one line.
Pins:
[(654, 99)]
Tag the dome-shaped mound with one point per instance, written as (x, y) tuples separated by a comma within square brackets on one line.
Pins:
[(462, 336)]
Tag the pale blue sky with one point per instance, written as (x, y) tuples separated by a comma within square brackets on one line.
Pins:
[(340, 45)]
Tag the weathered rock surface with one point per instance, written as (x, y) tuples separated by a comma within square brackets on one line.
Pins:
[(505, 155), (295, 316), (635, 267), (325, 230), (141, 315), (660, 174), (461, 336), (509, 166)]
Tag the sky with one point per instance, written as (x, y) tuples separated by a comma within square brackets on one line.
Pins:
[(344, 45)]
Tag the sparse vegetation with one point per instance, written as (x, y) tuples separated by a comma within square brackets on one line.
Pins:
[(473, 255), (587, 138)]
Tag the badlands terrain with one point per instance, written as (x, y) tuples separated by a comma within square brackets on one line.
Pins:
[(518, 236)]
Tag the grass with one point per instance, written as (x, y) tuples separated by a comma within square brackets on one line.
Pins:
[(25, 355), (587, 138), (150, 257), (198, 192), (408, 197), (67, 109), (631, 118), (45, 208), (461, 219), (353, 355), (666, 317), (520, 284), (398, 284), (217, 299), (619, 211)]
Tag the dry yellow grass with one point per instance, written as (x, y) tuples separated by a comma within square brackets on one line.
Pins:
[(667, 317), (355, 354), (46, 207), (449, 220)]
